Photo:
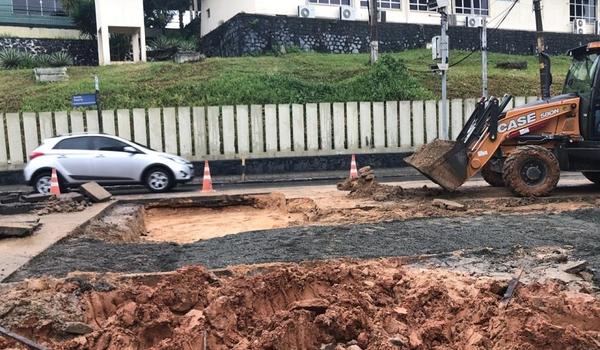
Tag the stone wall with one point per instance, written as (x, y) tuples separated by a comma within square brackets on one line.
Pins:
[(247, 34), (84, 52)]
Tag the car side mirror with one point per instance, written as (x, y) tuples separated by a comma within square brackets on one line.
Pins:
[(129, 149)]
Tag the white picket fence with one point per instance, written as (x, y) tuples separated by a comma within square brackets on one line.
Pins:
[(255, 131)]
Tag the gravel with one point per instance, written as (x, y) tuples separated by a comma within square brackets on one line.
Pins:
[(579, 229)]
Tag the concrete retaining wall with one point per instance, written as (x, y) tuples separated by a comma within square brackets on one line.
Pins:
[(248, 34), (84, 52)]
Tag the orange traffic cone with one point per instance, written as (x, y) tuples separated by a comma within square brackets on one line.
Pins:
[(353, 168), (207, 180), (54, 186)]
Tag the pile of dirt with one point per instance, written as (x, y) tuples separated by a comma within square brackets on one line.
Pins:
[(64, 204), (380, 304), (365, 186)]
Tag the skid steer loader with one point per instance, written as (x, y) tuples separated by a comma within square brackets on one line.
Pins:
[(526, 148)]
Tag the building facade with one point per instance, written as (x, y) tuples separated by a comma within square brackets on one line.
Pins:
[(558, 15), (39, 19)]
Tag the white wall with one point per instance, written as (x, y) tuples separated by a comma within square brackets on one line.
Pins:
[(39, 33), (120, 16), (555, 13), (119, 13)]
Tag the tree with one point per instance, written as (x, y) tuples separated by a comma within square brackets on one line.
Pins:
[(83, 13), (158, 13)]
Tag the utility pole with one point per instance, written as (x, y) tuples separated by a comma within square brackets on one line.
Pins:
[(545, 73), (484, 59), (444, 70), (373, 14)]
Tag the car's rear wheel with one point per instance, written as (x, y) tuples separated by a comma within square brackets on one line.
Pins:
[(158, 180), (42, 182)]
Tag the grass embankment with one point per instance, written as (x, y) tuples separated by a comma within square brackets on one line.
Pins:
[(292, 78)]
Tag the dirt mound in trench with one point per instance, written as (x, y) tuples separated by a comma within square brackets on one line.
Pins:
[(340, 304), (366, 186)]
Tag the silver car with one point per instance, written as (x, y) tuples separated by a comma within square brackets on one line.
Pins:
[(106, 159)]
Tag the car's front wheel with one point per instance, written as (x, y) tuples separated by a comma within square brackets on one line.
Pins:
[(41, 183), (158, 180)]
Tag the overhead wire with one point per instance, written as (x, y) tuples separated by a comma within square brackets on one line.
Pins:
[(492, 32)]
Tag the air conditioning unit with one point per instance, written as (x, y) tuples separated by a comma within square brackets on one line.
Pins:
[(578, 26), (381, 16), (347, 13), (474, 21), (306, 11)]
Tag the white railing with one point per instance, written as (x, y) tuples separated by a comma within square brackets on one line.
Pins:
[(255, 131)]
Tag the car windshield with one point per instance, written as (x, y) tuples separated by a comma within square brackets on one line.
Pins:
[(581, 74)]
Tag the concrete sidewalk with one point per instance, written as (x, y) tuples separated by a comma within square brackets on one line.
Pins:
[(16, 252)]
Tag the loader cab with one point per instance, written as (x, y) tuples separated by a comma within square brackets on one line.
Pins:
[(583, 79)]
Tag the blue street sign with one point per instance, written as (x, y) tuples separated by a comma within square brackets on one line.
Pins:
[(83, 100)]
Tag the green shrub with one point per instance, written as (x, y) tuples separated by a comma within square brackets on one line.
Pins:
[(166, 43), (60, 59), (11, 59), (186, 45), (41, 60), (27, 60), (162, 43)]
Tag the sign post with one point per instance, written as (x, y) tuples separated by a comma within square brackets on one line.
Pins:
[(91, 99), (98, 104)]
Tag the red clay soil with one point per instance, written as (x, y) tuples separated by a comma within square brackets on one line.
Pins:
[(346, 304)]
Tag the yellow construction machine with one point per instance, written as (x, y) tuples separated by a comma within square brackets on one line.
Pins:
[(526, 148)]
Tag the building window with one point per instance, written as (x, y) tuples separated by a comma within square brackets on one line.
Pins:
[(384, 4), (331, 2), (585, 9), (418, 5), (473, 7), (38, 7)]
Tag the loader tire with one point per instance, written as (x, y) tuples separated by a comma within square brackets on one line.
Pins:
[(592, 176), (492, 177), (531, 171)]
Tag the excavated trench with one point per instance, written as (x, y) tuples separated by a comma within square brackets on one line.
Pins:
[(220, 231), (317, 273)]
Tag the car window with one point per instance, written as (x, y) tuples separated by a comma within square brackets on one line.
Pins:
[(78, 143), (108, 144)]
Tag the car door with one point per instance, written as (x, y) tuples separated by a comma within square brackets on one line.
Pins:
[(73, 158), (112, 164)]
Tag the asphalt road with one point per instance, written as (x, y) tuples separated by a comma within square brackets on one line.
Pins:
[(580, 229)]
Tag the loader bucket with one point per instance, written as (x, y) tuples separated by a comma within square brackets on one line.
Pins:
[(443, 162)]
